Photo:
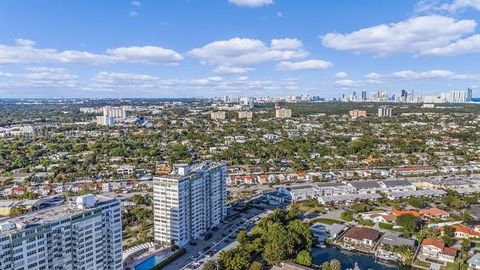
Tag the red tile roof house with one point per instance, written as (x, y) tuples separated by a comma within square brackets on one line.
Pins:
[(434, 213), (361, 236), (436, 250), (462, 231), (19, 190)]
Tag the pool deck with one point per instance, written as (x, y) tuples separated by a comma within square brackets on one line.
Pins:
[(130, 263)]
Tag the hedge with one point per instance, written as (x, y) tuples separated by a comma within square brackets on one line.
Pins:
[(170, 259)]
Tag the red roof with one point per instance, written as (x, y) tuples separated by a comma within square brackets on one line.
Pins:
[(433, 212), (433, 242), (464, 229), (415, 213), (449, 251)]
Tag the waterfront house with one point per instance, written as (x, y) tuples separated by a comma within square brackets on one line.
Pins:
[(389, 245), (436, 250), (362, 237), (474, 262)]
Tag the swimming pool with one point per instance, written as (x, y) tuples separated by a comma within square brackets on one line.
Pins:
[(148, 263)]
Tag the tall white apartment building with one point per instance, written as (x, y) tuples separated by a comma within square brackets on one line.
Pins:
[(106, 120), (116, 112), (245, 114), (217, 115), (384, 112), (189, 202), (85, 233), (457, 97), (283, 113)]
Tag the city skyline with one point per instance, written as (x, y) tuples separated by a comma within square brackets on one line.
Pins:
[(236, 48)]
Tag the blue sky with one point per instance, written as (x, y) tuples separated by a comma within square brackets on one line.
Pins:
[(185, 48)]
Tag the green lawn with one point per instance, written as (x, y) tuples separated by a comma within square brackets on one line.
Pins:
[(328, 221), (310, 207), (420, 264), (385, 226), (452, 266)]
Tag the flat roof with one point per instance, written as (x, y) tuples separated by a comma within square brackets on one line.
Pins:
[(396, 183), (52, 214), (365, 184)]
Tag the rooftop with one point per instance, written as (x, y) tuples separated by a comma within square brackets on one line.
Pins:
[(361, 233), (365, 184), (397, 183), (49, 215), (181, 170)]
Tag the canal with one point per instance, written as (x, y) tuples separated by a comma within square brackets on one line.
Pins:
[(348, 259)]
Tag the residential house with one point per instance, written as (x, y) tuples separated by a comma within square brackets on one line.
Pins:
[(388, 244), (361, 236), (398, 212), (435, 249), (462, 231), (474, 262), (434, 213)]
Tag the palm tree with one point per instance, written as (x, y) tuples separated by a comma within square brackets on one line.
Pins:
[(406, 253), (335, 265)]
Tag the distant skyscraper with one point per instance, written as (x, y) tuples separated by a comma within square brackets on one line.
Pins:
[(189, 202), (364, 95), (404, 95), (469, 94)]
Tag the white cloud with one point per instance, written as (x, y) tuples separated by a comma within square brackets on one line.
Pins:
[(232, 70), (41, 77), (133, 14), (348, 83), (24, 42), (244, 51), (468, 45), (373, 76), (414, 35), (286, 44), (26, 53), (420, 75), (304, 65), (110, 81), (279, 14), (146, 54), (251, 3), (135, 3), (461, 4), (341, 74), (431, 74)]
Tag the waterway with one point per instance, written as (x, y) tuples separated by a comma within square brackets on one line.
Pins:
[(348, 259)]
